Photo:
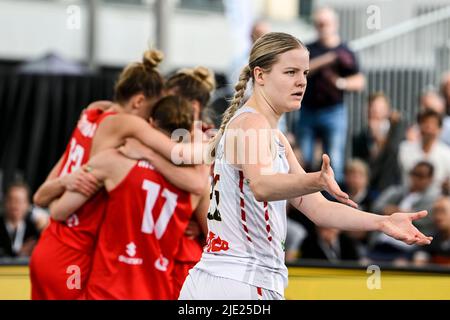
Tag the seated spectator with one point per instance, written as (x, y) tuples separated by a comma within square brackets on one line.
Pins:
[(377, 145), (356, 184), (328, 244), (445, 92), (427, 148), (18, 234), (430, 99), (438, 252), (295, 234), (417, 196)]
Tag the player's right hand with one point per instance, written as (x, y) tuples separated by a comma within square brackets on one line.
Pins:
[(81, 181)]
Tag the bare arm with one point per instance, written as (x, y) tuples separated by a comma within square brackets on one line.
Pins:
[(101, 104), (189, 178), (201, 211), (113, 131), (355, 82), (256, 164), (71, 201), (322, 61), (326, 213)]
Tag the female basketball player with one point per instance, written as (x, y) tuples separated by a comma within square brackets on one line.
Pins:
[(195, 85), (255, 172), (145, 217), (60, 263)]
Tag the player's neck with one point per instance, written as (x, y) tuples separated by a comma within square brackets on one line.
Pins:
[(115, 107), (261, 104)]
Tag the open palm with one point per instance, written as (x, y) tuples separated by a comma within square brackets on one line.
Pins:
[(399, 226)]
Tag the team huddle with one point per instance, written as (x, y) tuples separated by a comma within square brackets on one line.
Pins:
[(127, 240), (127, 223)]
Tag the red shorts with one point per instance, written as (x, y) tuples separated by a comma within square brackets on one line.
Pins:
[(57, 271), (180, 272)]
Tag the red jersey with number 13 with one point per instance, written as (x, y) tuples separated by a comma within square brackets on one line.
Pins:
[(80, 230)]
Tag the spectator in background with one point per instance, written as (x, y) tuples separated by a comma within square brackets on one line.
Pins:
[(439, 250), (445, 91), (427, 148), (356, 185), (333, 71), (377, 145), (328, 244), (258, 29), (18, 233), (418, 195), (429, 99)]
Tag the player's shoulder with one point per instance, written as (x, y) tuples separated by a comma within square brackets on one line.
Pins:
[(248, 120)]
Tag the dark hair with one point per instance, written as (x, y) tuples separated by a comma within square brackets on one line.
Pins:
[(173, 112), (18, 184), (192, 84), (140, 77), (427, 113), (425, 164)]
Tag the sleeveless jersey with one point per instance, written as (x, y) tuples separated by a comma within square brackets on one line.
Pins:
[(246, 237), (145, 219), (79, 231)]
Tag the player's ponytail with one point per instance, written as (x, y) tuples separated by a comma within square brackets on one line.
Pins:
[(192, 84), (140, 77)]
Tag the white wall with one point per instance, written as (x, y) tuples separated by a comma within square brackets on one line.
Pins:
[(29, 29)]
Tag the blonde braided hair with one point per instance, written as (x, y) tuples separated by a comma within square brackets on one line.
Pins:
[(264, 54)]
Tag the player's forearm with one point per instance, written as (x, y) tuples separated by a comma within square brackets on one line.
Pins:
[(355, 82), (330, 214), (47, 192), (63, 207), (276, 187), (192, 179)]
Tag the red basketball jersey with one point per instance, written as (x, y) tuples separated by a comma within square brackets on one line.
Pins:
[(145, 219), (79, 231)]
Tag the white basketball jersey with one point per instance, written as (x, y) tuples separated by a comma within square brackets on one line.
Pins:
[(246, 237)]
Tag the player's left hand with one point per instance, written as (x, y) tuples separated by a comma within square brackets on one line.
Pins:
[(399, 226), (330, 185)]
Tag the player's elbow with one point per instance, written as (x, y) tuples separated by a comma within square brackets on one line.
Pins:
[(198, 189), (39, 200), (259, 191)]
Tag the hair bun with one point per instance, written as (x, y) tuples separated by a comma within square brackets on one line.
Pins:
[(206, 76), (152, 58)]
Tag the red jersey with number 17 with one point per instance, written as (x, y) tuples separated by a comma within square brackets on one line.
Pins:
[(145, 219), (80, 230)]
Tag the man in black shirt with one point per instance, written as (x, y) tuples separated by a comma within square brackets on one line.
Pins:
[(333, 70), (18, 234)]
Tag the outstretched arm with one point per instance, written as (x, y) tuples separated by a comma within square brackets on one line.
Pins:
[(256, 164), (336, 215)]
